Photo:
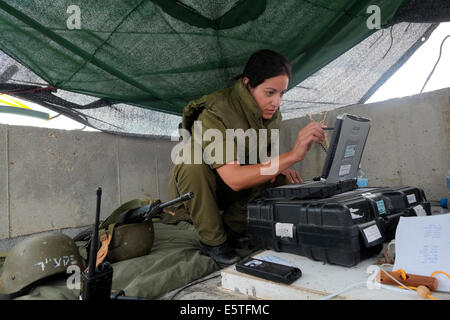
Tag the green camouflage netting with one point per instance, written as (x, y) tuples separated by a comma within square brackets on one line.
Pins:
[(156, 55)]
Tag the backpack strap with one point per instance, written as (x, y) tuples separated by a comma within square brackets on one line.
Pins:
[(105, 237)]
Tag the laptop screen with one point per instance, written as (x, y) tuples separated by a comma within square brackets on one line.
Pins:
[(346, 148)]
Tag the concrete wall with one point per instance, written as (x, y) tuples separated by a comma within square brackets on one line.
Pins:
[(408, 143), (48, 177)]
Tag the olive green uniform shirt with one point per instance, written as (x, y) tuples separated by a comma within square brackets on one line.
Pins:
[(215, 206)]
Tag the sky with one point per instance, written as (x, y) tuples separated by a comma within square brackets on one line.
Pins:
[(408, 80), (60, 122)]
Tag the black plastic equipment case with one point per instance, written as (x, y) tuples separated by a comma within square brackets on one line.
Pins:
[(321, 230), (318, 190), (389, 204), (344, 229)]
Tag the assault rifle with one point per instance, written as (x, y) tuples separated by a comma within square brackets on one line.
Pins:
[(151, 210)]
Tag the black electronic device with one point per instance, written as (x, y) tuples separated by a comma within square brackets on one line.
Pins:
[(346, 148), (341, 163), (96, 280), (269, 270)]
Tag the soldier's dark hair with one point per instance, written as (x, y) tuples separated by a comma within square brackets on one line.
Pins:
[(265, 64)]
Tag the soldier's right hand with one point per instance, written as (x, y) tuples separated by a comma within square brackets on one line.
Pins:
[(313, 132)]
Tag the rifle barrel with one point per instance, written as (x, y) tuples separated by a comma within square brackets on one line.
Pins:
[(183, 197), (148, 211)]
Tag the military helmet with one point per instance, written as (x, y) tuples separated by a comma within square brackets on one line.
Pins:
[(121, 241), (37, 258), (130, 241)]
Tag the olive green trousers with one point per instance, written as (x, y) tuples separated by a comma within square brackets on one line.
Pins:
[(215, 206)]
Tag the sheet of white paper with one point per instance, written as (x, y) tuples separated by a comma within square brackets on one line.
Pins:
[(422, 246)]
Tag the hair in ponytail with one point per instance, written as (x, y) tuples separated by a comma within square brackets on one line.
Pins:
[(265, 64)]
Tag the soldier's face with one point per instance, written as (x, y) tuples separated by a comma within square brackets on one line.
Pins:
[(268, 94)]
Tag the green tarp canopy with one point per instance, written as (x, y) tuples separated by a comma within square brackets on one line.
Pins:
[(159, 54)]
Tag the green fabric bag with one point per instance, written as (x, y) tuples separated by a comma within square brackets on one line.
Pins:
[(175, 261)]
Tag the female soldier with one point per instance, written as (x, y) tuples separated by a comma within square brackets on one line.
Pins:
[(223, 187)]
